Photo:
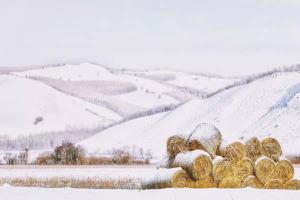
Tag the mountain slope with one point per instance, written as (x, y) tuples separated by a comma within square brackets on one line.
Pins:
[(239, 113)]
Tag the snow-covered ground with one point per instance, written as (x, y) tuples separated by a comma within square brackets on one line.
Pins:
[(8, 192), (239, 113)]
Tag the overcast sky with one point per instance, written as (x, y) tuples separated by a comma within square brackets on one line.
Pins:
[(228, 37)]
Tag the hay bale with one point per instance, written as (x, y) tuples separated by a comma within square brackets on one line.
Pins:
[(205, 183), (205, 137), (181, 179), (234, 151), (177, 144), (252, 181), (253, 148), (230, 182), (293, 184), (222, 168), (264, 169), (273, 184), (284, 170), (197, 163), (271, 148), (243, 168), (161, 179)]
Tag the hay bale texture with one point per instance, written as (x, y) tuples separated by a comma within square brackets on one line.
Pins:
[(177, 144), (222, 168), (181, 179), (207, 182), (271, 148), (273, 184), (234, 151), (253, 148), (205, 137), (293, 184), (243, 169), (284, 170), (253, 182), (230, 182), (264, 169), (197, 163)]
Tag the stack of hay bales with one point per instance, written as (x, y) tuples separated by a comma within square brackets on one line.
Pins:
[(203, 160)]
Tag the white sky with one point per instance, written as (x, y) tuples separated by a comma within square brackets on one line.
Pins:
[(228, 37)]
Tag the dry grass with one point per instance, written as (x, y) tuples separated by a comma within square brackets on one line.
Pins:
[(60, 182), (176, 144), (264, 169), (222, 168), (230, 182), (284, 170), (253, 148), (243, 168), (273, 184), (234, 151), (271, 148), (252, 181), (293, 184), (208, 182), (181, 179)]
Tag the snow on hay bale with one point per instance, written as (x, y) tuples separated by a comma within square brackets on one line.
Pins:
[(253, 148), (264, 169), (271, 148), (243, 168), (234, 151), (284, 170), (274, 184), (230, 182), (293, 184), (162, 179), (197, 163), (207, 182), (177, 144), (252, 181), (205, 137), (222, 168)]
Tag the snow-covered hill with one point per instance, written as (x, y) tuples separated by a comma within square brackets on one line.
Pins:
[(265, 107), (30, 107)]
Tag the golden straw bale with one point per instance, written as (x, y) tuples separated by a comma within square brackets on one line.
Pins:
[(252, 181), (181, 179), (222, 168), (284, 170), (235, 151), (273, 184), (230, 182), (264, 169), (293, 184), (205, 183), (197, 163), (253, 148), (243, 168), (205, 137), (271, 148), (177, 144)]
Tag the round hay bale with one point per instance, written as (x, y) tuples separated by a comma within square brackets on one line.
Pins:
[(197, 163), (177, 144), (234, 151), (253, 148), (264, 169), (243, 168), (273, 184), (230, 182), (161, 179), (205, 137), (284, 170), (222, 168), (271, 148), (181, 179), (205, 183), (293, 184), (252, 181)]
